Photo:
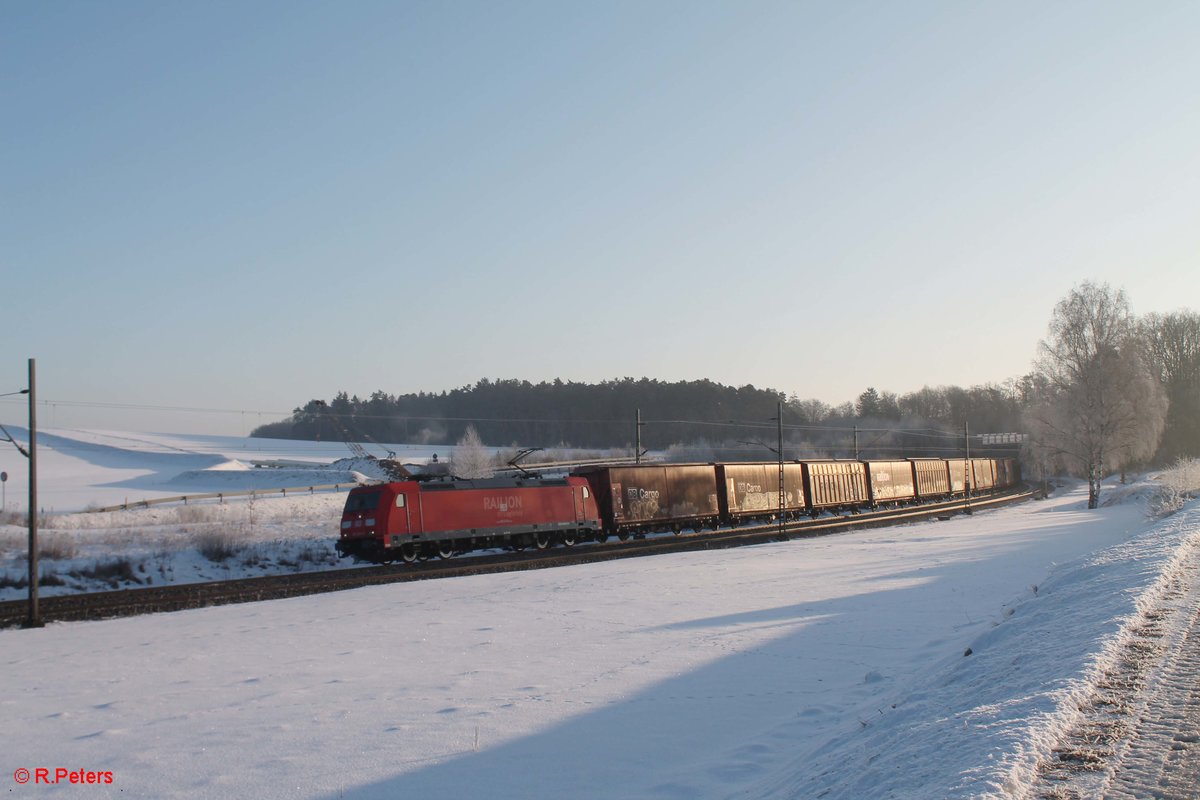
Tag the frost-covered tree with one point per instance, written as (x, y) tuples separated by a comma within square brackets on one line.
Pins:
[(1099, 407), (1173, 347), (471, 459)]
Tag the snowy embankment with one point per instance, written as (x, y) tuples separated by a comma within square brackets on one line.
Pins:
[(831, 667), (88, 552), (979, 726)]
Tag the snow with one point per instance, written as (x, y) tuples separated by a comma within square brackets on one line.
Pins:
[(165, 544), (91, 469), (829, 667)]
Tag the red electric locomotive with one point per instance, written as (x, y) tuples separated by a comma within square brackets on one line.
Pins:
[(411, 520)]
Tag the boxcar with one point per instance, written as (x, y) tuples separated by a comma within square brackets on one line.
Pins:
[(932, 477), (1014, 471), (1008, 473), (983, 475), (890, 481), (410, 519), (835, 484), (752, 490), (957, 468), (642, 497)]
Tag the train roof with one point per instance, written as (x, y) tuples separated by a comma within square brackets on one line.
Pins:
[(491, 483)]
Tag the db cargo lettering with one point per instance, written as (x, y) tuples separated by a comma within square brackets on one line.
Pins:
[(634, 494), (510, 503)]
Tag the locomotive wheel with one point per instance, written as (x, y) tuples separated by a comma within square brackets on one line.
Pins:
[(445, 549), (602, 536), (408, 553), (568, 539), (541, 541)]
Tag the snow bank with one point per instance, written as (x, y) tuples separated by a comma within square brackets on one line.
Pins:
[(980, 725)]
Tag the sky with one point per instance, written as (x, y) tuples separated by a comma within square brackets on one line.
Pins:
[(213, 212)]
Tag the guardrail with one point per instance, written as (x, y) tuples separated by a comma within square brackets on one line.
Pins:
[(253, 493)]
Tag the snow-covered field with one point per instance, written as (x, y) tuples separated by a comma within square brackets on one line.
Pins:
[(832, 668), (174, 544), (207, 540), (80, 469)]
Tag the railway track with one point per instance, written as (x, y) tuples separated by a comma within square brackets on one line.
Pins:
[(132, 602)]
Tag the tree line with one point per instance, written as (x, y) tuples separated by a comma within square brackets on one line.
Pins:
[(700, 416)]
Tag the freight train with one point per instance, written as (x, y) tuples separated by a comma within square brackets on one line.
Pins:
[(411, 520)]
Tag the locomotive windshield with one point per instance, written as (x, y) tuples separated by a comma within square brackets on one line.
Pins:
[(362, 501)]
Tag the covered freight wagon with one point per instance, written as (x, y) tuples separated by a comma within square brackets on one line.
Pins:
[(932, 477), (835, 484), (958, 468), (983, 476), (752, 490), (638, 497), (1008, 473), (890, 481)]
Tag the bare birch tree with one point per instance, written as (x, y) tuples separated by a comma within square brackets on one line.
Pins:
[(471, 460), (1099, 406)]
